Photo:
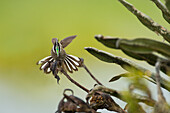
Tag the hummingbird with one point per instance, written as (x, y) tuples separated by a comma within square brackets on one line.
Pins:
[(59, 60)]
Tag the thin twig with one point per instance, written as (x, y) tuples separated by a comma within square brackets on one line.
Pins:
[(74, 82), (147, 21), (161, 106), (160, 93), (162, 7), (91, 74)]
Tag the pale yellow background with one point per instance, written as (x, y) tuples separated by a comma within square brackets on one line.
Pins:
[(26, 30)]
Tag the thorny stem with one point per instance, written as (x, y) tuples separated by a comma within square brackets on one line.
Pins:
[(158, 78), (74, 82), (91, 74)]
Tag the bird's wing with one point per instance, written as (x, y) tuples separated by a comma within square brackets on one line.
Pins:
[(66, 41)]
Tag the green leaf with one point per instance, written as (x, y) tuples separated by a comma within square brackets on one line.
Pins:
[(140, 49), (148, 50), (107, 57), (107, 41), (119, 76), (151, 59), (104, 56), (145, 46), (139, 45), (127, 65)]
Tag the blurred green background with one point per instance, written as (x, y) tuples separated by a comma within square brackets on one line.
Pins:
[(26, 30)]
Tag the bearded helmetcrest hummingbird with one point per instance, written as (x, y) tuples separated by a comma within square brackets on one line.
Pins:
[(60, 61)]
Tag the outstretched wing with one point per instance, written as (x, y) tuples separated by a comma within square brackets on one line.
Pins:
[(72, 62), (66, 41), (45, 64)]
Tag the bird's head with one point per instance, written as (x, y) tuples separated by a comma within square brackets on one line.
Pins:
[(56, 46)]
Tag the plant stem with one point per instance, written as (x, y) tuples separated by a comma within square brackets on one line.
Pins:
[(91, 74), (74, 82), (158, 78), (165, 11), (147, 21)]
